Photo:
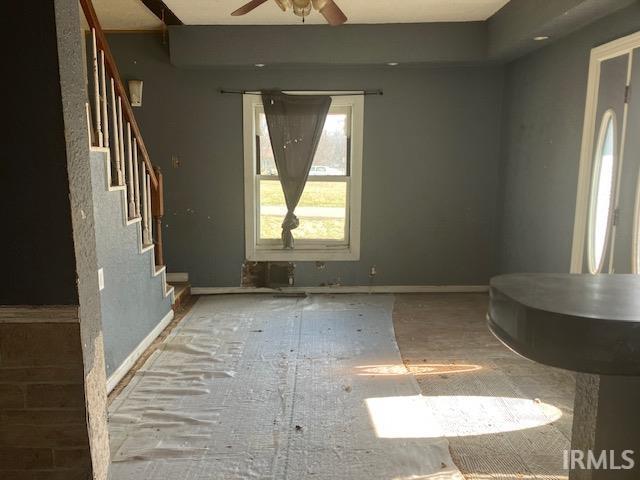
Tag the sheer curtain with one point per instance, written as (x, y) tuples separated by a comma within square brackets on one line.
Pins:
[(295, 125)]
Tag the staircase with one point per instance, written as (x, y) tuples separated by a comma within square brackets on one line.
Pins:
[(135, 300), (118, 145), (120, 240)]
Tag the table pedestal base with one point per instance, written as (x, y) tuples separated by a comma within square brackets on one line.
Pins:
[(607, 417)]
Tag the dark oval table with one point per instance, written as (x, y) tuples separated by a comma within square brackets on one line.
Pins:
[(588, 324)]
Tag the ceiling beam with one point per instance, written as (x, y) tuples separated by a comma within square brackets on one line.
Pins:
[(409, 43), (164, 13), (513, 28)]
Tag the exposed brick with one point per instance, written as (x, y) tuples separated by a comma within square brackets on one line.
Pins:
[(44, 436), (58, 474), (55, 396), (67, 374), (16, 474), (72, 458), (66, 474), (11, 396), (25, 458), (32, 344), (43, 417)]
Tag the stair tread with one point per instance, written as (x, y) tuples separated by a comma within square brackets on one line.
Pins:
[(180, 288)]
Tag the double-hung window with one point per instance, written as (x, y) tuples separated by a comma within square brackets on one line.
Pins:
[(329, 209)]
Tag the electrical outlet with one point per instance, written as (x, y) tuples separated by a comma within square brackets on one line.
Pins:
[(372, 271), (175, 161)]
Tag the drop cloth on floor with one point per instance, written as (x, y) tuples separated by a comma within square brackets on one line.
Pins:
[(252, 386)]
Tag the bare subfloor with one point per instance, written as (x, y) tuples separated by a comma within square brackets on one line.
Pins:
[(493, 397)]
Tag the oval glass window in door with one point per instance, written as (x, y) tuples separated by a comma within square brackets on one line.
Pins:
[(602, 192)]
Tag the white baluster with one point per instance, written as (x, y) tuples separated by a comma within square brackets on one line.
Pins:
[(145, 210), (88, 109), (96, 90), (115, 147), (121, 142), (149, 216), (136, 179), (132, 205), (103, 96)]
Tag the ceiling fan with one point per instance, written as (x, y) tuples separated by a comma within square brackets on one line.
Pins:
[(328, 8)]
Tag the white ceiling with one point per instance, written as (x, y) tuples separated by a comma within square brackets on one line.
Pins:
[(211, 12), (125, 15), (133, 15)]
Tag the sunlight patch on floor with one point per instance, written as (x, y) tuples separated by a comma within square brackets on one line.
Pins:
[(444, 475), (453, 416), (520, 476), (418, 369)]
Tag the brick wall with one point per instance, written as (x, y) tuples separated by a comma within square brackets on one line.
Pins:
[(43, 426)]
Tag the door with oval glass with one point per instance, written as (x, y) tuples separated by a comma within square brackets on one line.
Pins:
[(626, 229), (610, 242)]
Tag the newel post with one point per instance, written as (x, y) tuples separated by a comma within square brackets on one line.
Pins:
[(157, 210)]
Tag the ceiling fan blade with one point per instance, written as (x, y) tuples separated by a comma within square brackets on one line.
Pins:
[(332, 13), (248, 7), (284, 4)]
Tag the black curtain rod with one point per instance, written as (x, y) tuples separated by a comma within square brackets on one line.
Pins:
[(253, 92)]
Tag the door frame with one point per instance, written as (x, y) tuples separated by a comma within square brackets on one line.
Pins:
[(616, 48)]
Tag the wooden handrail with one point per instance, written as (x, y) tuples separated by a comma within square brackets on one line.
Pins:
[(116, 128), (127, 111)]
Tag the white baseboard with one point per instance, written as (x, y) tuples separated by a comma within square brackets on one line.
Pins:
[(177, 277), (346, 289), (124, 368)]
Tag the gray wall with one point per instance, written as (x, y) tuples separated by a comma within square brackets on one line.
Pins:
[(132, 300), (430, 166), (542, 130), (241, 45)]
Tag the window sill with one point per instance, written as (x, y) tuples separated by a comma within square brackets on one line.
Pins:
[(302, 255)]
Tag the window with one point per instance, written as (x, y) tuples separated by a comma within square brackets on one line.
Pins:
[(329, 209), (602, 189)]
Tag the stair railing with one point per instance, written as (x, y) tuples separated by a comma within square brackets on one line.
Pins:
[(113, 125)]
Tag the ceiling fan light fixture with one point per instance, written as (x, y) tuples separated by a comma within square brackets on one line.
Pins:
[(301, 8)]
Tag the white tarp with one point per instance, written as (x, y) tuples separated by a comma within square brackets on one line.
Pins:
[(251, 386)]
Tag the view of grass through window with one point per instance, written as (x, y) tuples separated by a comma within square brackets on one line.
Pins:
[(322, 210)]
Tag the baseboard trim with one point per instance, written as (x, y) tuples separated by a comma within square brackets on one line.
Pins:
[(173, 277), (124, 368), (346, 289)]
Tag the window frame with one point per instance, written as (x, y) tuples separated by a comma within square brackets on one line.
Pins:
[(305, 250)]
